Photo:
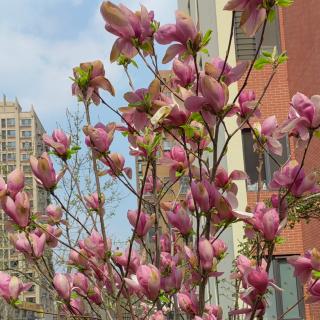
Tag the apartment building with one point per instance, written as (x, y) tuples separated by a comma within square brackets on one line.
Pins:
[(20, 136)]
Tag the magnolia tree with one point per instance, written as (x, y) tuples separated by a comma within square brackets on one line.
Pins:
[(168, 279)]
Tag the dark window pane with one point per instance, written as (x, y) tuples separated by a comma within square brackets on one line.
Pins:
[(251, 160)]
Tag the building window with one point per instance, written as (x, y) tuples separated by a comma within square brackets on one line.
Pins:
[(251, 161), (3, 123), (167, 145), (246, 47), (26, 145), (11, 145), (14, 264), (11, 122), (28, 181), (184, 184), (24, 157), (4, 157), (31, 289), (11, 156), (26, 134), (25, 122), (31, 299), (11, 168), (11, 133), (279, 302), (3, 134)]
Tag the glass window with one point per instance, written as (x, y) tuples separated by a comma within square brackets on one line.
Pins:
[(25, 122), (11, 122), (184, 184), (11, 145), (11, 156), (24, 157), (4, 157), (31, 299), (26, 145), (26, 134), (3, 134), (3, 123), (14, 264), (246, 46), (11, 133), (28, 181), (167, 145), (3, 146)]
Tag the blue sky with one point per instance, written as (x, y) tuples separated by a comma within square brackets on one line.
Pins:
[(42, 40)]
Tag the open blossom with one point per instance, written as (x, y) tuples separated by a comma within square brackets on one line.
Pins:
[(230, 75), (225, 181), (59, 142), (314, 291), (115, 161), (188, 302), (177, 160), (100, 137), (94, 245), (18, 209), (31, 245), (80, 283), (148, 186), (11, 287), (184, 71), (128, 26), (304, 115), (92, 201), (246, 106), (180, 219), (42, 168), (253, 14), (54, 214), (292, 176), (173, 280), (89, 77), (144, 224), (147, 281), (267, 134), (214, 96), (183, 31), (122, 259)]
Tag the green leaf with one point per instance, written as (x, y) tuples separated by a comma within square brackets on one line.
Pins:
[(164, 299), (205, 51), (196, 116), (206, 38), (284, 3), (317, 134), (282, 58), (315, 274), (266, 54), (189, 131), (261, 62), (74, 295), (272, 15), (179, 174), (134, 63), (280, 240)]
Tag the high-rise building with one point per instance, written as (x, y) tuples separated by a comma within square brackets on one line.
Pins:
[(20, 137)]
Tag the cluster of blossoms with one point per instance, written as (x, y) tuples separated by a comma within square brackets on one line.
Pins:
[(174, 262)]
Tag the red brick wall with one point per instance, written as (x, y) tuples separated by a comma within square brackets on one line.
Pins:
[(276, 102)]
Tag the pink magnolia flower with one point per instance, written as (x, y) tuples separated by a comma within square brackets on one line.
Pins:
[(158, 316), (54, 214), (245, 108), (115, 161), (292, 176), (100, 137), (304, 114), (214, 97), (180, 219), (44, 172), (188, 302), (59, 142), (79, 257), (219, 248), (230, 75), (77, 306), (89, 77), (147, 281), (15, 182), (302, 266), (122, 259), (19, 209), (183, 32), (206, 254), (173, 280), (225, 181), (80, 283), (314, 291), (266, 221), (11, 287), (92, 201), (132, 28), (94, 245), (144, 224), (95, 296), (177, 160), (253, 14), (52, 234), (63, 286), (267, 133), (165, 243), (148, 186), (184, 72), (31, 245)]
